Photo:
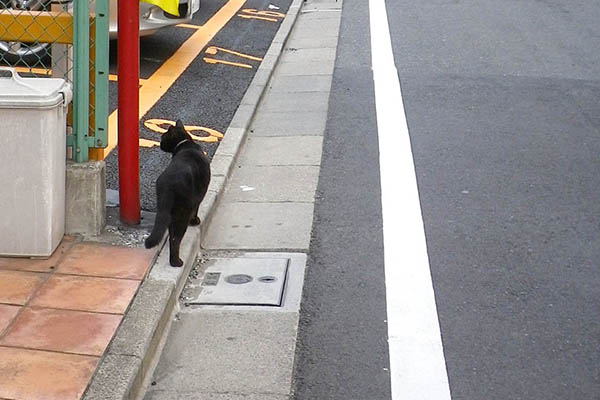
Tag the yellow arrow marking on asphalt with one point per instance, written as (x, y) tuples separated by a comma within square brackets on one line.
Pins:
[(266, 15), (212, 50), (233, 64)]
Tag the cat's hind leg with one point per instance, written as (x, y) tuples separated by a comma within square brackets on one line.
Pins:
[(177, 230), (195, 219), (162, 220)]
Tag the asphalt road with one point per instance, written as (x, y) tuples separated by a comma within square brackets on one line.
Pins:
[(502, 101), (205, 94), (342, 350)]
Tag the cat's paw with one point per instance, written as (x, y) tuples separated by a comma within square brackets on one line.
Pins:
[(177, 262), (195, 221), (150, 242)]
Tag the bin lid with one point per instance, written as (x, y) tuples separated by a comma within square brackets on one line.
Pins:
[(20, 92)]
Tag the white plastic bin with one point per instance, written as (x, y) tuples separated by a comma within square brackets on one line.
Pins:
[(32, 163)]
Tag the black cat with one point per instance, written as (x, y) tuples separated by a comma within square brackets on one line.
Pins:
[(179, 189)]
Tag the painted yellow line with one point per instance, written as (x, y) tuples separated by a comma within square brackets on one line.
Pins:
[(254, 11), (148, 143), (212, 50), (114, 78), (157, 85), (189, 26), (257, 17), (233, 64)]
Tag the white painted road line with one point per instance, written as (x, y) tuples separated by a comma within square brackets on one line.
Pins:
[(417, 364)]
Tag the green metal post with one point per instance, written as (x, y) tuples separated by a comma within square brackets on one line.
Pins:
[(81, 78), (101, 86)]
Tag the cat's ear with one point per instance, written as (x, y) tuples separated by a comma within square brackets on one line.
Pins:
[(179, 124)]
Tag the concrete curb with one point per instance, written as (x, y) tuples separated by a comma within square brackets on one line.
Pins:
[(136, 347)]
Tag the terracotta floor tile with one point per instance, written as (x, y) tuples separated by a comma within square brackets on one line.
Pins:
[(86, 293), (16, 287), (38, 265), (107, 261), (62, 330), (39, 375), (7, 313)]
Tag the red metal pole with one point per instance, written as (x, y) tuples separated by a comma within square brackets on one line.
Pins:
[(128, 68)]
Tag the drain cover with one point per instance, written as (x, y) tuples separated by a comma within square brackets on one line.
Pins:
[(238, 279), (242, 281)]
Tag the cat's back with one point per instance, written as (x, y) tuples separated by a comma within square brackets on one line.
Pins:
[(188, 170)]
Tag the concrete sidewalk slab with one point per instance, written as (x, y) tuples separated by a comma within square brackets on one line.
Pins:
[(297, 123), (280, 183), (310, 67), (329, 42), (300, 84), (253, 354), (290, 150), (266, 226), (236, 352), (284, 102), (304, 54)]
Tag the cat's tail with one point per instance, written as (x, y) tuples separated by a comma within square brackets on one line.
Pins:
[(161, 223)]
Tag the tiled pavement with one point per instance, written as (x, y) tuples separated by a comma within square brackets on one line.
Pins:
[(57, 316)]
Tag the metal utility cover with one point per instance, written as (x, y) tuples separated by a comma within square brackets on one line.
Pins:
[(243, 281)]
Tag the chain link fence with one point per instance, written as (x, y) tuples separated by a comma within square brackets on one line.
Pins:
[(37, 38)]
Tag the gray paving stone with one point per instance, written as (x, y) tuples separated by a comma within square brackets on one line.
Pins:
[(286, 102), (255, 354), (282, 183), (289, 123), (312, 42), (220, 164), (312, 13), (142, 319), (299, 84), (183, 395), (301, 55), (114, 378), (310, 28), (322, 5), (265, 226), (292, 150), (309, 67)]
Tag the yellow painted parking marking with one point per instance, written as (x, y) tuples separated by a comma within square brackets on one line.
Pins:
[(233, 64), (114, 78), (149, 143), (214, 49), (255, 17), (155, 125), (161, 80), (188, 26), (251, 13)]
